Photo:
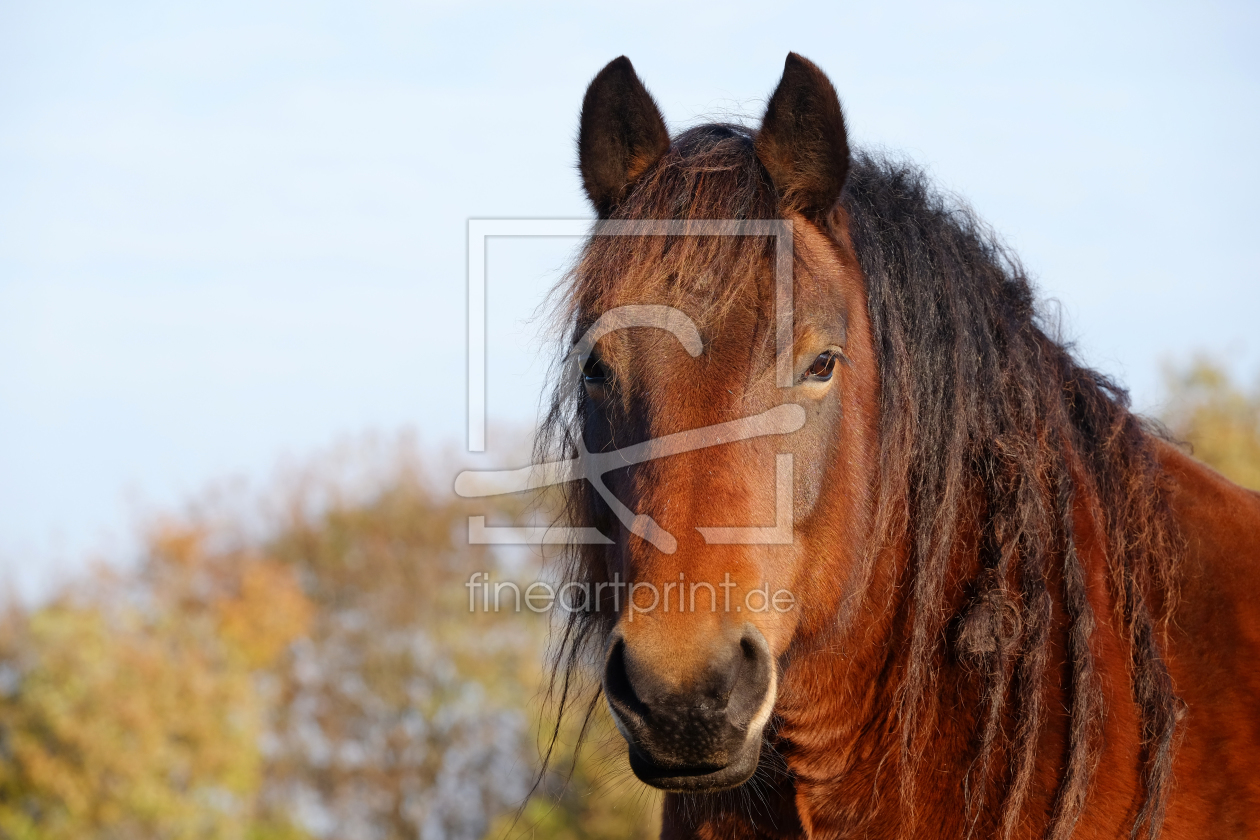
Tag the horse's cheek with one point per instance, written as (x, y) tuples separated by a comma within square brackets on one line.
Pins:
[(812, 448)]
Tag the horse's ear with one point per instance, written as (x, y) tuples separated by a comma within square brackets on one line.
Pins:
[(802, 142), (622, 134)]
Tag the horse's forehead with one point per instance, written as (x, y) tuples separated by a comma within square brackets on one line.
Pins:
[(730, 302)]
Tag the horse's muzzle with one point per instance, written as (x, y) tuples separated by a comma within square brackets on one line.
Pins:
[(704, 735)]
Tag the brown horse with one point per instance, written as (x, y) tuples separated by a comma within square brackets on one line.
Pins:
[(1005, 607)]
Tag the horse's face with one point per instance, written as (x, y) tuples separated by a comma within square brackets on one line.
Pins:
[(757, 526)]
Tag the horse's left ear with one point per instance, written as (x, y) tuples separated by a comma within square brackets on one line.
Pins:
[(802, 142)]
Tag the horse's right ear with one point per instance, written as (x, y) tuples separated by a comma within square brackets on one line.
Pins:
[(622, 134)]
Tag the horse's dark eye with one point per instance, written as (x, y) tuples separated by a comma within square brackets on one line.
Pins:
[(823, 367), (594, 372)]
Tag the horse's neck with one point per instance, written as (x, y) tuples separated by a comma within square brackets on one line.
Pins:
[(841, 733)]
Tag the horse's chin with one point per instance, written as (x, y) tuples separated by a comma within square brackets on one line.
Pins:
[(701, 779)]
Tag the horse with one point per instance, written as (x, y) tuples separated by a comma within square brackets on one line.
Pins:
[(1004, 605)]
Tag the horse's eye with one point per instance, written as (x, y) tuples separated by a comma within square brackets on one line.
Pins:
[(594, 372), (823, 367)]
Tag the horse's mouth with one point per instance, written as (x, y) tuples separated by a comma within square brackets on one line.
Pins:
[(704, 778)]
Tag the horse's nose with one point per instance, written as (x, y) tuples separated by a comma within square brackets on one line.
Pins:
[(692, 731)]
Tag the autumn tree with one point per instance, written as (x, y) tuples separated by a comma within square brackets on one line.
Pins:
[(1219, 420), (303, 666), (132, 711)]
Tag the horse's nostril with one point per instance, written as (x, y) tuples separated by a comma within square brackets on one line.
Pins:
[(756, 665), (618, 688), (749, 648)]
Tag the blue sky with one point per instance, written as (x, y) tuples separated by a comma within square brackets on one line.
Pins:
[(234, 233)]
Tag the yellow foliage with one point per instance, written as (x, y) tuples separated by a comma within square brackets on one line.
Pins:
[(124, 725), (131, 709), (1220, 421), (266, 615), (256, 602), (134, 705)]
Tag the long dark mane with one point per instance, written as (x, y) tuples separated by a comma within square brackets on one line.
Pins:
[(988, 424)]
